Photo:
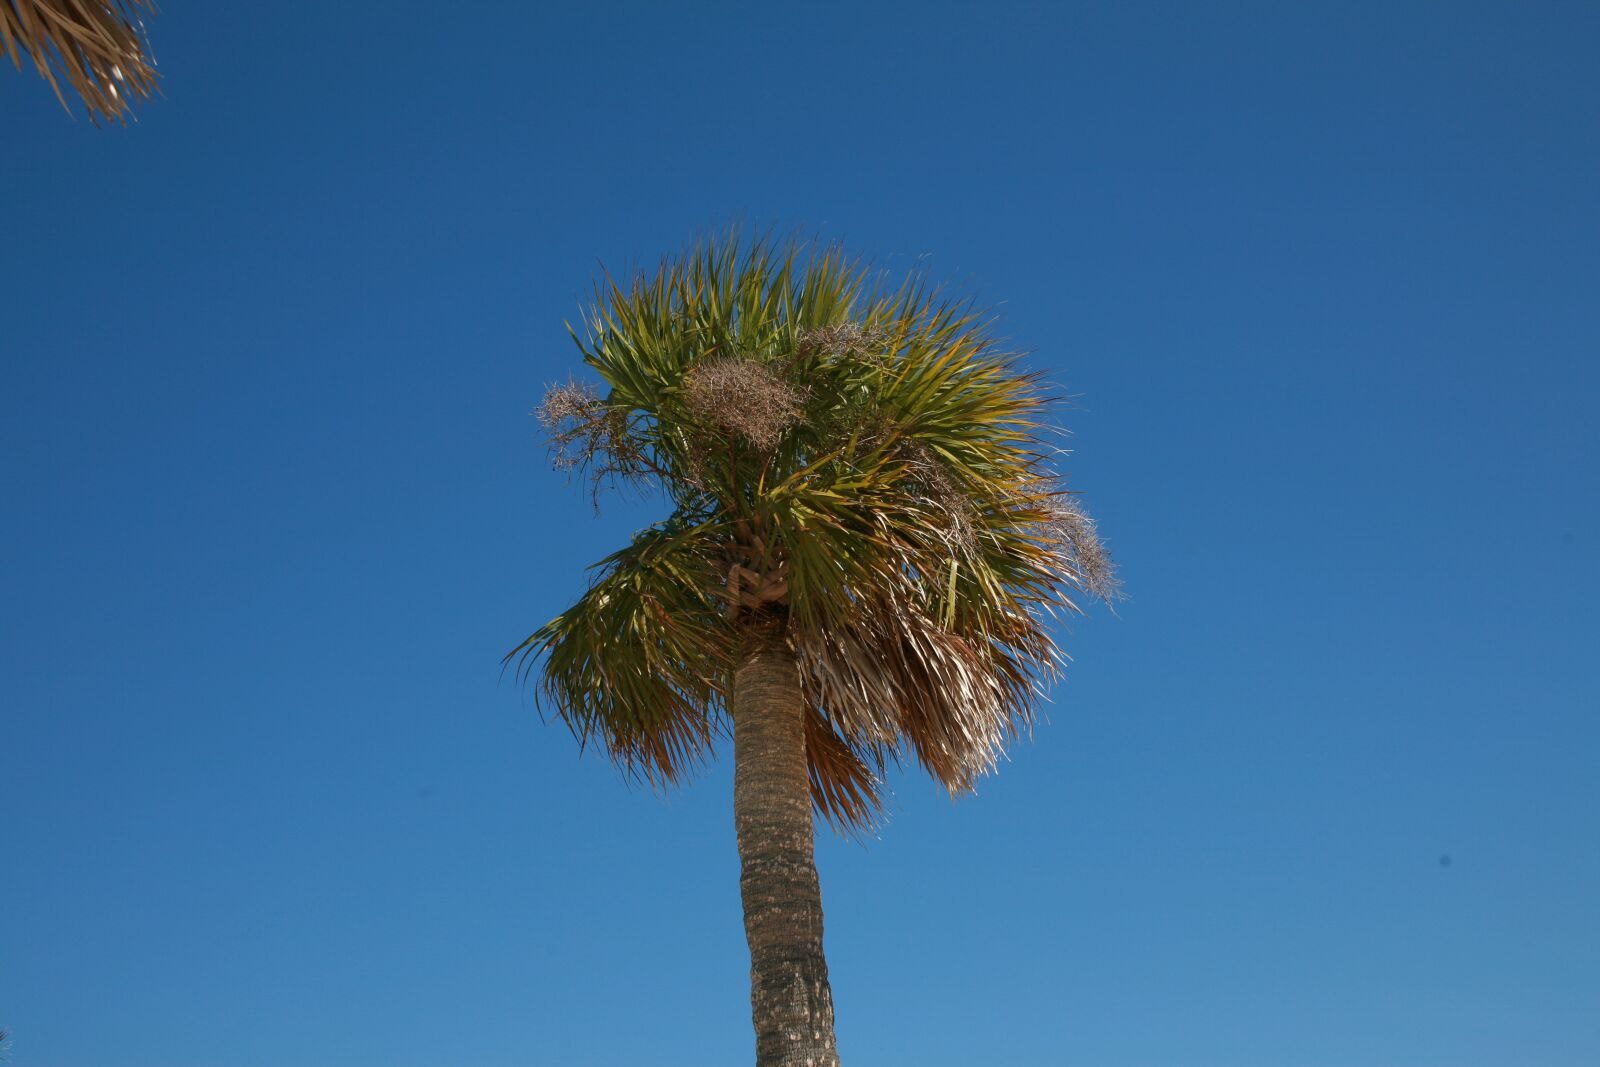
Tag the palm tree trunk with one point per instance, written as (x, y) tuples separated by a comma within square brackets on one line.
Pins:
[(790, 1001)]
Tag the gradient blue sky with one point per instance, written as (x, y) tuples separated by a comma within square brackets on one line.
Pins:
[(1326, 795)]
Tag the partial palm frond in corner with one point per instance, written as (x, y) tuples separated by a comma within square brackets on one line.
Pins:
[(98, 46)]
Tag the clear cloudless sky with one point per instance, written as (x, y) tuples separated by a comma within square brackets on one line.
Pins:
[(1323, 279)]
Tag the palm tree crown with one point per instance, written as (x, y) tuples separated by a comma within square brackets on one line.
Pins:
[(858, 468)]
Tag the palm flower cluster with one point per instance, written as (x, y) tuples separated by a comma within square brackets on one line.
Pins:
[(99, 46), (844, 338), (857, 468), (588, 435), (1074, 530), (744, 397)]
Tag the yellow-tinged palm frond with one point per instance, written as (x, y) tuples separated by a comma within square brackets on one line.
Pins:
[(99, 46), (860, 466)]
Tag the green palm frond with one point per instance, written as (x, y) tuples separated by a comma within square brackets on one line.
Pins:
[(859, 465), (638, 661), (99, 46)]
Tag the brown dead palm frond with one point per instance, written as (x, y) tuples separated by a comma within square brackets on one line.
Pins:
[(99, 46)]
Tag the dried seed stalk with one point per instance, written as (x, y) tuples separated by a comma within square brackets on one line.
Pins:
[(744, 397), (1074, 531)]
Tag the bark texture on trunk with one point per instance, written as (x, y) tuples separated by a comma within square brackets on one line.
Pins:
[(790, 1001)]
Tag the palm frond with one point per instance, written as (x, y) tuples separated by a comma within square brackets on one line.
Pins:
[(638, 662), (846, 776), (98, 46)]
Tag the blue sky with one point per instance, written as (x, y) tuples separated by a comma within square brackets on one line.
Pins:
[(1327, 793)]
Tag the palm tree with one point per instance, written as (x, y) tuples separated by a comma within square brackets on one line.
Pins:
[(865, 547), (99, 45)]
